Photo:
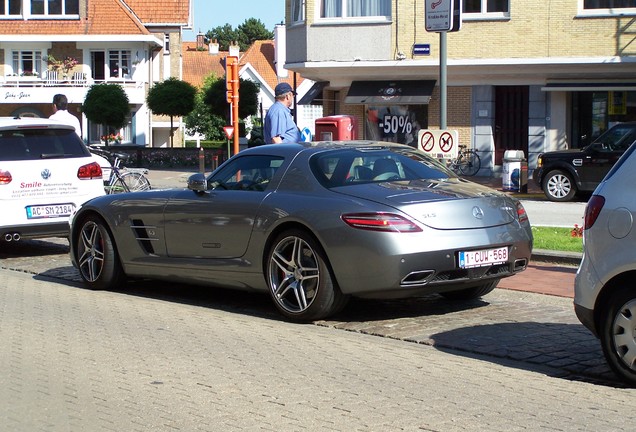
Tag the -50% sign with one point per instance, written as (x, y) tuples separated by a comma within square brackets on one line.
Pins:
[(392, 124)]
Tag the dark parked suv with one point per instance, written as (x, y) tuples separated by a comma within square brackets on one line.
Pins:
[(562, 174)]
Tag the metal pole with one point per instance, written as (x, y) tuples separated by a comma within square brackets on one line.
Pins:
[(442, 80)]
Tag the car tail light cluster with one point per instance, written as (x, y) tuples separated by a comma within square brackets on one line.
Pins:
[(592, 210), (90, 171), (521, 213), (380, 222), (5, 177)]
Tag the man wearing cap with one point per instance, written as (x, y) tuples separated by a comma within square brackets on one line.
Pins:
[(279, 125)]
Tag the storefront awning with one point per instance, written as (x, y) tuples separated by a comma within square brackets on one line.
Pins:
[(590, 86), (314, 94), (406, 92)]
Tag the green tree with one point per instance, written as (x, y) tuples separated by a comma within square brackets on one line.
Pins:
[(215, 98), (251, 30), (107, 104), (171, 97), (201, 120)]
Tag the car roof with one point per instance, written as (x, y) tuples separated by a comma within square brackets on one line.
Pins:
[(31, 122), (317, 146)]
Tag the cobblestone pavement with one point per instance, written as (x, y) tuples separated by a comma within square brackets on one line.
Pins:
[(512, 323), (165, 358)]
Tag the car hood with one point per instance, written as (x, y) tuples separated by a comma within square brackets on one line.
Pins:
[(563, 154), (441, 204)]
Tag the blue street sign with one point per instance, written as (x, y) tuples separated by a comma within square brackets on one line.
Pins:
[(305, 135), (422, 49)]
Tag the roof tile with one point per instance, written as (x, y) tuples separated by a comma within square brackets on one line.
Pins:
[(104, 17), (199, 64)]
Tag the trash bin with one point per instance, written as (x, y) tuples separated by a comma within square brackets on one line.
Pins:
[(515, 171)]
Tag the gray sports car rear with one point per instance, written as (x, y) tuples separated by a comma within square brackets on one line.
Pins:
[(312, 224)]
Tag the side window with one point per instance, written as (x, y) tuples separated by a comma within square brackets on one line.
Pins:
[(247, 173)]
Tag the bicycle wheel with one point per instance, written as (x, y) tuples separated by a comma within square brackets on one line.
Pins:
[(135, 181), (470, 163), (118, 186)]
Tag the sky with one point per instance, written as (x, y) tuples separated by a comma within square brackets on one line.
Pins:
[(213, 13)]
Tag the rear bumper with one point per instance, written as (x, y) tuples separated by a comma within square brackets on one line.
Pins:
[(18, 232), (586, 316)]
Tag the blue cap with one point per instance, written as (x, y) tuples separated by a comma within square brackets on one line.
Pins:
[(282, 88)]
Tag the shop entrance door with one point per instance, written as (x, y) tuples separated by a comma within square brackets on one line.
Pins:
[(511, 120)]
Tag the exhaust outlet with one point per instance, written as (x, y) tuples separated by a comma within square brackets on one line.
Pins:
[(12, 237)]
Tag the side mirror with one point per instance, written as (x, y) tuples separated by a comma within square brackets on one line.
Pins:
[(198, 183)]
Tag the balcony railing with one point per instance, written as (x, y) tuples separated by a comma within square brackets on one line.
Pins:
[(52, 80)]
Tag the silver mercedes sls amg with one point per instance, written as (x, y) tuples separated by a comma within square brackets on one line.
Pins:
[(312, 224)]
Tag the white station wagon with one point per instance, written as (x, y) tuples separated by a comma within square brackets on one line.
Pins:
[(46, 172)]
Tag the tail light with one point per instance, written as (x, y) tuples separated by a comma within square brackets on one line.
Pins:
[(592, 210), (90, 171), (521, 213), (380, 222), (5, 177)]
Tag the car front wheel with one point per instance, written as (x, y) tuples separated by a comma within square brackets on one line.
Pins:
[(559, 186), (618, 334), (299, 278), (96, 256)]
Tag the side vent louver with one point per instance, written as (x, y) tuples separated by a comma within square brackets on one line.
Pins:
[(144, 235)]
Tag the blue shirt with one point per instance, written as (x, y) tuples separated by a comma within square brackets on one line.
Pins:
[(279, 122)]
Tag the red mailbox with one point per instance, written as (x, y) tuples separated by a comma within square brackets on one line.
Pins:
[(336, 128)]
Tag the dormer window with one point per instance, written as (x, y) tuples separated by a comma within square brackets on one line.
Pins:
[(11, 8), (39, 8)]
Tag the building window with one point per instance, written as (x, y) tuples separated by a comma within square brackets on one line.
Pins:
[(27, 63), (10, 7), (97, 131), (608, 4), (297, 11), (166, 43), (486, 6), (54, 7), (119, 63), (355, 8)]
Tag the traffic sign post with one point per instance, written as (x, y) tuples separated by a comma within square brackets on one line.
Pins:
[(439, 15), (232, 86), (305, 135), (443, 16)]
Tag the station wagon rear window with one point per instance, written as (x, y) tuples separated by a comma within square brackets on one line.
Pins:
[(34, 144)]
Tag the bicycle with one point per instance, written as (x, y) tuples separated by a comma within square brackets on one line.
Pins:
[(467, 162), (122, 179)]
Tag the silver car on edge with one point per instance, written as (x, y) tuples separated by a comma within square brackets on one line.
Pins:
[(312, 224)]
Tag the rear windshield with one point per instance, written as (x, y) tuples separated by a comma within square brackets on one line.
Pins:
[(354, 166), (32, 144)]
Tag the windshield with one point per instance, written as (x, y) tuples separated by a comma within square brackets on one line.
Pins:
[(353, 166), (619, 137)]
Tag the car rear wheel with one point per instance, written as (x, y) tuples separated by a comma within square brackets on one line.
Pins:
[(471, 293), (618, 334), (559, 186), (299, 278), (96, 256)]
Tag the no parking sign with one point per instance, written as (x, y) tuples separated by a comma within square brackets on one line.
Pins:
[(441, 144)]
